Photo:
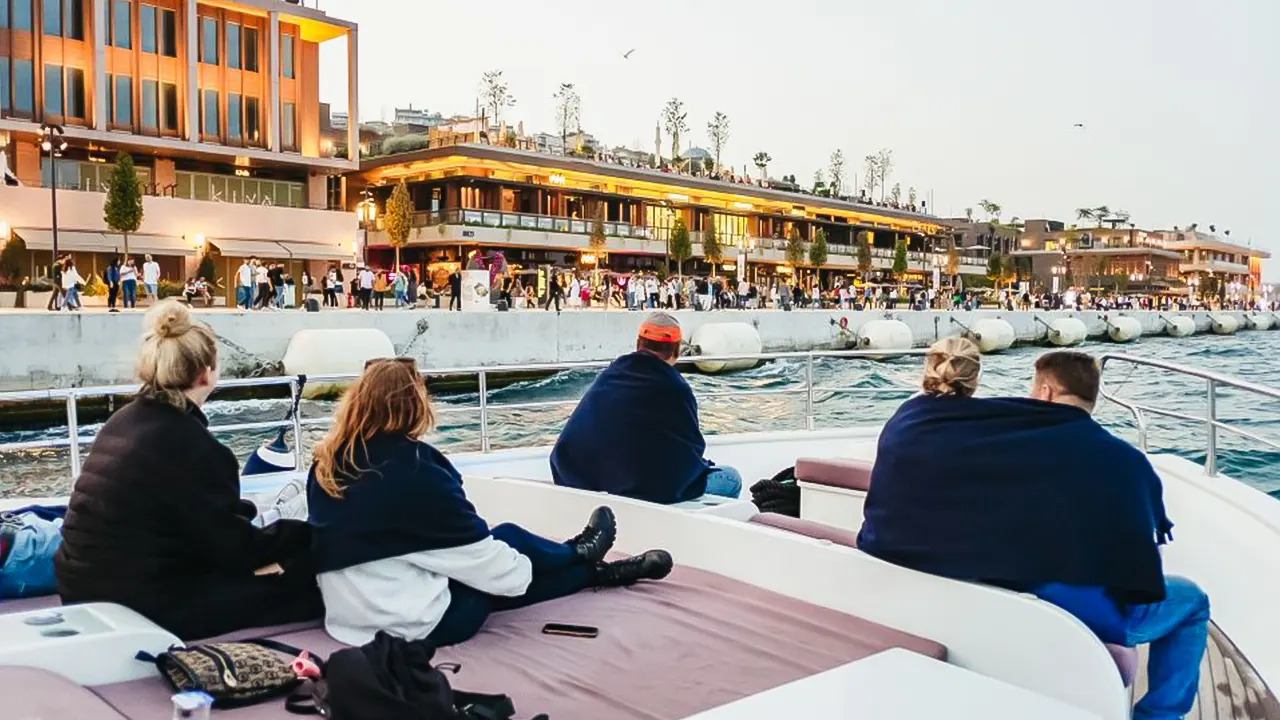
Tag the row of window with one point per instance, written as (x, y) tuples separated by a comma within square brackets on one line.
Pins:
[(232, 189), (241, 46), (61, 18)]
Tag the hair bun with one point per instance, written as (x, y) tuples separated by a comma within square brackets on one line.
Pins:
[(168, 319)]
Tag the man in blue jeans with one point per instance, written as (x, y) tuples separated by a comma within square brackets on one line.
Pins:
[(1177, 628), (28, 540), (635, 432)]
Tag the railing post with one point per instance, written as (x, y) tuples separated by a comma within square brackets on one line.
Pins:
[(484, 412), (298, 451), (1211, 411), (73, 435), (808, 395)]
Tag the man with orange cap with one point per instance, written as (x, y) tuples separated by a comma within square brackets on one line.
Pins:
[(635, 433)]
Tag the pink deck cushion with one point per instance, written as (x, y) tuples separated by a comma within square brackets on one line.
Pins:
[(835, 472), (31, 694), (808, 528), (666, 650)]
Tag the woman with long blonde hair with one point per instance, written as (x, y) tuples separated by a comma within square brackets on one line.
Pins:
[(397, 545), (156, 522)]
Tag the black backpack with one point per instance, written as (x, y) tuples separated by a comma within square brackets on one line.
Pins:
[(393, 679)]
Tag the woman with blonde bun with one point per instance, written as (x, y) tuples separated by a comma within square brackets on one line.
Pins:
[(156, 522)]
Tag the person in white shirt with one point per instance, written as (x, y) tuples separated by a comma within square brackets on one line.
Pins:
[(262, 277), (366, 278), (129, 284), (244, 284), (398, 547), (651, 289), (151, 278), (71, 282)]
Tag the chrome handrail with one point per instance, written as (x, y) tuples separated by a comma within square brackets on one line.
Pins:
[(1210, 420), (72, 396)]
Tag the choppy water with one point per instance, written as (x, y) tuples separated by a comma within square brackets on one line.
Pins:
[(1248, 355)]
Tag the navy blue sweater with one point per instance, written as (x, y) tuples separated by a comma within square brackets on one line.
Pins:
[(403, 497), (1018, 493), (635, 433)]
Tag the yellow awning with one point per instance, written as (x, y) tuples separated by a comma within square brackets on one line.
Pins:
[(90, 241), (270, 249)]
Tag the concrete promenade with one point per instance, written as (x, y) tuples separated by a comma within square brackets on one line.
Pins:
[(40, 350)]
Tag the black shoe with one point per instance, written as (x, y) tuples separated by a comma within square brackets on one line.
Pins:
[(595, 540), (653, 565)]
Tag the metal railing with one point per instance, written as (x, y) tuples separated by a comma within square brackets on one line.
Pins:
[(1213, 382), (74, 441)]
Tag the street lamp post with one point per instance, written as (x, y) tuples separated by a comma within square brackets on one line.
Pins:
[(51, 141), (368, 211)]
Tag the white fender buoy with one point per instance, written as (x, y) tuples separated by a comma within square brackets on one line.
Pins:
[(334, 351), (1123, 329), (732, 338), (1179, 326), (885, 335), (1065, 332), (1224, 324), (1260, 322), (992, 335)]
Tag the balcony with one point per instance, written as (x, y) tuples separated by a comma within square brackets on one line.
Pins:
[(496, 228)]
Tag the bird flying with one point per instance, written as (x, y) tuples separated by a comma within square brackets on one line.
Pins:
[(1079, 125), (627, 55)]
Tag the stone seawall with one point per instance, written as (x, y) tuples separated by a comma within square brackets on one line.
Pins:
[(45, 350)]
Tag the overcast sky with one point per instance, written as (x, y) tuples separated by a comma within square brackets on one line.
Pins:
[(976, 98)]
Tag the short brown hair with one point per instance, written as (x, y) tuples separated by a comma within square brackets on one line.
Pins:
[(1078, 373)]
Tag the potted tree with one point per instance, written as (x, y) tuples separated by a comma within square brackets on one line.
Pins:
[(11, 257)]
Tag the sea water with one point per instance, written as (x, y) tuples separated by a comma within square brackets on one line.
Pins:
[(1247, 355)]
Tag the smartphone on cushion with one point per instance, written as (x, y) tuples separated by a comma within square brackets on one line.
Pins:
[(582, 631)]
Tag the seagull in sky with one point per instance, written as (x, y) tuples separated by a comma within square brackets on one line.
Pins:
[(627, 55), (1079, 125)]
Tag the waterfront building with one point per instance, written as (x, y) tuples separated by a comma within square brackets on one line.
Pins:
[(218, 104), (1212, 265), (540, 211), (1053, 256)]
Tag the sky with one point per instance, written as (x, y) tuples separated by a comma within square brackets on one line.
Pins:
[(977, 99)]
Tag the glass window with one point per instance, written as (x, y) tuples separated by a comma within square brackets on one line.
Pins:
[(209, 111), (150, 105), (208, 41), (233, 118), (23, 87), (4, 82), (121, 24), (52, 17), (233, 46), (122, 105), (251, 49), (288, 135), (21, 14), (147, 27), (251, 121), (4, 14), (169, 101), (286, 56), (75, 93), (168, 33), (74, 19)]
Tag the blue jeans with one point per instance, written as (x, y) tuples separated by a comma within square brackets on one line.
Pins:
[(153, 291), (130, 288), (71, 301), (556, 573), (280, 296), (724, 481), (28, 571), (244, 296), (1177, 629)]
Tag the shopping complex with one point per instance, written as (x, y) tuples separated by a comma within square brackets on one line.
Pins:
[(218, 104)]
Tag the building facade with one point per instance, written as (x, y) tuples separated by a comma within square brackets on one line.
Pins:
[(1054, 256), (1213, 265), (218, 105), (541, 210)]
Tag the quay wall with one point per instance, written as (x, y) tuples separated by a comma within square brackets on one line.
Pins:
[(40, 350)]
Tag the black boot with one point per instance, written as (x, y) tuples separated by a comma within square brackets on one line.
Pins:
[(593, 543), (653, 565)]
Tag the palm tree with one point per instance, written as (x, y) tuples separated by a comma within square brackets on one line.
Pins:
[(762, 163), (1100, 214), (992, 209), (1084, 213)]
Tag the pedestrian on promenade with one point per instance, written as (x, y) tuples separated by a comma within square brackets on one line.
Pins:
[(455, 289), (402, 287), (379, 290), (244, 284), (55, 300), (555, 293), (151, 278), (71, 282), (262, 277), (129, 284), (112, 277), (365, 278)]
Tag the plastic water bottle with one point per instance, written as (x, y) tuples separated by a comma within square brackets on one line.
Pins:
[(192, 706)]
